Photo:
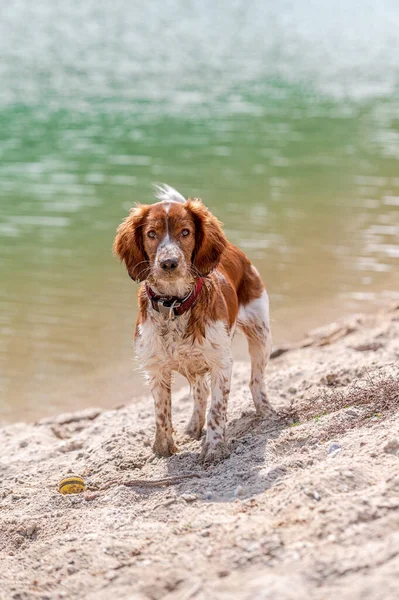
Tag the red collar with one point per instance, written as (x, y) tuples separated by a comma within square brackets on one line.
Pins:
[(172, 304)]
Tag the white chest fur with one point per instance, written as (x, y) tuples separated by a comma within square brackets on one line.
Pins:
[(162, 344)]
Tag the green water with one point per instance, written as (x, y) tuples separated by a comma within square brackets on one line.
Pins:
[(284, 118)]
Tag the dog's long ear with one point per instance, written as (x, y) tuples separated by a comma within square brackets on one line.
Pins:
[(210, 240), (129, 246)]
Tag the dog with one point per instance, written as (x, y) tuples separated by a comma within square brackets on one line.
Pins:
[(196, 288)]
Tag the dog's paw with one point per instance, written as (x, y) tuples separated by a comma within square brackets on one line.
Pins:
[(164, 446), (265, 413), (263, 408), (214, 453), (194, 429)]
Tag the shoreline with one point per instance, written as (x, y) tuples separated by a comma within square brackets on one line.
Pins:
[(121, 382), (305, 505)]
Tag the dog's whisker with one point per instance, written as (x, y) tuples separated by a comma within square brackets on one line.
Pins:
[(141, 263)]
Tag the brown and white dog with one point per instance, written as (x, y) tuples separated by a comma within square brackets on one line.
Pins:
[(197, 287)]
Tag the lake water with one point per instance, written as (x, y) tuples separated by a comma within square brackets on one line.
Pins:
[(283, 117)]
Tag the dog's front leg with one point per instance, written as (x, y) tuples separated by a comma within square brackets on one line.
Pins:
[(215, 447), (161, 391)]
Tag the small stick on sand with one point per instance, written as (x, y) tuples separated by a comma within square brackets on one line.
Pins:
[(149, 482)]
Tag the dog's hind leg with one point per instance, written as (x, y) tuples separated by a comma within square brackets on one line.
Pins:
[(200, 397), (214, 447), (253, 319)]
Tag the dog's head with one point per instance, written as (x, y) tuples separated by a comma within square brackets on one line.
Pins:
[(170, 243)]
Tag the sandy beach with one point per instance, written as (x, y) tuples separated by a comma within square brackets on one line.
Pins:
[(306, 506)]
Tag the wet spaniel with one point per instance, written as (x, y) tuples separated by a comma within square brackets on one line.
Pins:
[(196, 288)]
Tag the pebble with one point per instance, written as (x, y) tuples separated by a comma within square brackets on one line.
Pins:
[(292, 390), (223, 573), (31, 528), (70, 446), (392, 447), (189, 497), (334, 449), (313, 494), (28, 530), (349, 474), (239, 491), (353, 412)]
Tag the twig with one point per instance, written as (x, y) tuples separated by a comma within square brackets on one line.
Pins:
[(149, 482)]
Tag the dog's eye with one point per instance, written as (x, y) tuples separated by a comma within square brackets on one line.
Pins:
[(185, 232), (152, 234)]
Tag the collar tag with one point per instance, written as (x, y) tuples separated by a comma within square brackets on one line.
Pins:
[(166, 308)]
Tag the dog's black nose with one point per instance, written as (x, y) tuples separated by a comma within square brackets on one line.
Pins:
[(169, 264)]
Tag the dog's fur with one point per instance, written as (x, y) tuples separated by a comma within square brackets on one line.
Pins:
[(196, 344)]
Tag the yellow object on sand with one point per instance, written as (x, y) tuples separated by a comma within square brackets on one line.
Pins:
[(73, 484)]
